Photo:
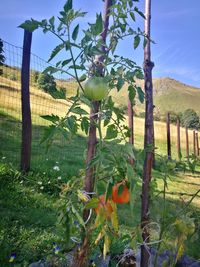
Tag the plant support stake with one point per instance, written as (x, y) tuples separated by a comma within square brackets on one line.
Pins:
[(148, 139), (80, 259)]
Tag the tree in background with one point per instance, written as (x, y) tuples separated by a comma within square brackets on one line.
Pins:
[(46, 82), (190, 119), (2, 57)]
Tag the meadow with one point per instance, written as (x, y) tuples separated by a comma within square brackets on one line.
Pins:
[(29, 204)]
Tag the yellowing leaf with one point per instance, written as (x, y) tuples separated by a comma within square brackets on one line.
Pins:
[(106, 246), (114, 217), (100, 235), (180, 251), (83, 196)]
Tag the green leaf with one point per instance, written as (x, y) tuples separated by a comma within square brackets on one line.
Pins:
[(93, 203), (140, 94), (30, 25), (75, 32), (131, 94), (51, 21), (52, 118), (83, 78), (97, 28), (79, 110), (136, 41), (50, 69), (56, 50), (145, 42), (139, 12), (85, 125), (132, 16), (48, 133), (68, 6), (111, 132), (129, 150), (58, 94), (67, 61), (78, 216), (77, 67), (109, 189), (120, 83), (139, 74)]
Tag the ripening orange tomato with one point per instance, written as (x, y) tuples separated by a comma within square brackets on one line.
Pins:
[(122, 198), (105, 206)]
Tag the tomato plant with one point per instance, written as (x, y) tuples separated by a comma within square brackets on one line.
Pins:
[(123, 196), (96, 88)]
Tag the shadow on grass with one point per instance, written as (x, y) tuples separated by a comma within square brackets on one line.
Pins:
[(68, 155)]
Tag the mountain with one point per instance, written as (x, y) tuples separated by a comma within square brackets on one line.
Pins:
[(169, 95)]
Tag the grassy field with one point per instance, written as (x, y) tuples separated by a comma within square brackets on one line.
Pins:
[(43, 104), (29, 204)]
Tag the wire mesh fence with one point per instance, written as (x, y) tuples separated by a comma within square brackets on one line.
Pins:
[(42, 103)]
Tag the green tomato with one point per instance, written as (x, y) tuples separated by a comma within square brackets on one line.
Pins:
[(96, 88)]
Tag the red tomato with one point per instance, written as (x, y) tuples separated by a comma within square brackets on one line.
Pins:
[(122, 198)]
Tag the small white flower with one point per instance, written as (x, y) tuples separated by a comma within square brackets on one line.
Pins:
[(59, 178), (49, 182), (3, 157), (21, 182), (41, 187), (44, 172), (40, 183), (56, 168), (57, 162)]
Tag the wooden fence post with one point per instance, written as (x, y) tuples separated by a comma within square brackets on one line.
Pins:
[(25, 100), (187, 143), (197, 141), (178, 139), (194, 142), (168, 137)]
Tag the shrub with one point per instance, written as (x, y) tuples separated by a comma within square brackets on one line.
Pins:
[(46, 82), (190, 119)]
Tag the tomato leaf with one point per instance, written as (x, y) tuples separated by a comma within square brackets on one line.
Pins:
[(136, 41), (75, 32), (92, 203)]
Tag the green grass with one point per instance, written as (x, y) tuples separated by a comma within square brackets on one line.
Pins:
[(29, 213)]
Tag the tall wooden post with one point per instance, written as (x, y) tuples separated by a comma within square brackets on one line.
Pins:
[(178, 139), (25, 100), (81, 257), (194, 143), (130, 122), (168, 137), (187, 143), (148, 139), (197, 141)]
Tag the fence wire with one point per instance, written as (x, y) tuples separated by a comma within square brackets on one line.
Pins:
[(42, 103)]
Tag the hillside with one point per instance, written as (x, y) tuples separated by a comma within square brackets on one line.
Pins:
[(169, 95)]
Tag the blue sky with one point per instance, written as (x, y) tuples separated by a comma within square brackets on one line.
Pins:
[(175, 29)]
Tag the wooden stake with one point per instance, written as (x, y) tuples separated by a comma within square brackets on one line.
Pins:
[(187, 143), (130, 122), (25, 100), (168, 136), (194, 142), (178, 139), (197, 141), (148, 139)]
